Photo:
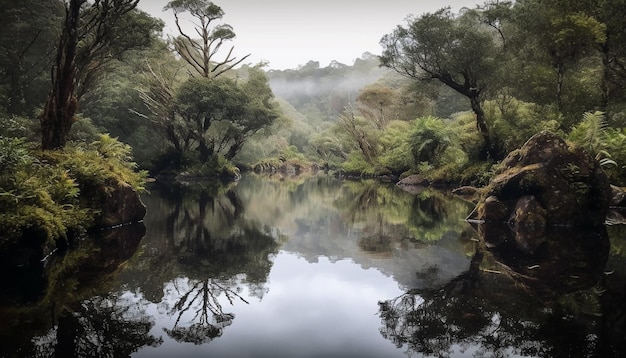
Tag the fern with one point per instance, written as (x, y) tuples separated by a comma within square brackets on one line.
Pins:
[(590, 133), (428, 140)]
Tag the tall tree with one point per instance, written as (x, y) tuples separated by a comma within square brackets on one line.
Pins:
[(91, 34), (460, 51), (559, 34), (62, 104), (200, 54), (220, 115)]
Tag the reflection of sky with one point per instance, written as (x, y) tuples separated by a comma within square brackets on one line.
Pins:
[(311, 310), (321, 296)]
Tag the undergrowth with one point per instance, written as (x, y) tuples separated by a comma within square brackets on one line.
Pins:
[(40, 191)]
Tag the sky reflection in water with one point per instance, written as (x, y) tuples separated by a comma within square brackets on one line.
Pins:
[(321, 295)]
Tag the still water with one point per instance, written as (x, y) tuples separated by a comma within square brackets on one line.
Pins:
[(316, 267)]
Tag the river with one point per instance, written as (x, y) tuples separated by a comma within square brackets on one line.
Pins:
[(315, 267)]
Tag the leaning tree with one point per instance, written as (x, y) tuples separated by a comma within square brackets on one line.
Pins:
[(459, 51)]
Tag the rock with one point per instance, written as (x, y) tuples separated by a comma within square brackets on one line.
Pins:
[(121, 205), (494, 210), (566, 182), (413, 184), (618, 197), (528, 222), (414, 180), (466, 191)]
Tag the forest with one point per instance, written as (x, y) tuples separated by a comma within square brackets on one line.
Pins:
[(93, 94)]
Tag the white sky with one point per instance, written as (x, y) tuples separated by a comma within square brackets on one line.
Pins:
[(289, 33)]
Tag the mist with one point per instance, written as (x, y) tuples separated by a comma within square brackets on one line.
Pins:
[(337, 84)]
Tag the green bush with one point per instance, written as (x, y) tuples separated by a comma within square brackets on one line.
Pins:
[(40, 192), (615, 147), (512, 122), (429, 139), (357, 165), (36, 196), (396, 152)]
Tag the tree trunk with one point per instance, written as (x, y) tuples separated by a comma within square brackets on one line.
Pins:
[(560, 72), (606, 79), (234, 149), (488, 151), (205, 151), (61, 105)]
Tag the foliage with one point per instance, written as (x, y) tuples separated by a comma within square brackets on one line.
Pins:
[(396, 153), (606, 144), (590, 132), (203, 118), (356, 164), (216, 167), (40, 193), (220, 115), (105, 161), (459, 51), (38, 200), (615, 147), (112, 105), (429, 139), (513, 122), (91, 36), (30, 30)]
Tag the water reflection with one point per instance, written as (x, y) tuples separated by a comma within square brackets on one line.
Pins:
[(199, 298), (67, 317), (508, 303), (286, 268), (376, 225), (102, 326), (218, 250), (208, 250)]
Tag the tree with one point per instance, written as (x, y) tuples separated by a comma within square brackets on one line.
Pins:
[(362, 132), (557, 34), (200, 54), (460, 51), (27, 45), (88, 38), (375, 103), (220, 114)]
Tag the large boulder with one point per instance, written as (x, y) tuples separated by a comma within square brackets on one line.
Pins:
[(545, 183), (119, 204)]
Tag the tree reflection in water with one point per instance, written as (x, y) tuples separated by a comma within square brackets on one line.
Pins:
[(200, 299), (74, 315), (212, 251), (103, 326), (551, 304)]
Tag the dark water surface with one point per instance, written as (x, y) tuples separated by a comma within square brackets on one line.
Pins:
[(317, 267)]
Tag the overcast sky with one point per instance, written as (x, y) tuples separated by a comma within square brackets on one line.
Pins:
[(289, 33)]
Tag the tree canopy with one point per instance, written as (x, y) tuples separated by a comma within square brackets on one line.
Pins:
[(201, 53), (458, 51)]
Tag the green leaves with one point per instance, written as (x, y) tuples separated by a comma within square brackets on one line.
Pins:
[(429, 139), (218, 115)]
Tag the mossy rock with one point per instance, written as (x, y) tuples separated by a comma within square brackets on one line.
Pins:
[(566, 182)]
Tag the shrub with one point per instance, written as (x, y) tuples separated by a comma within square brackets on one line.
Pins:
[(429, 139), (36, 196), (40, 191)]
